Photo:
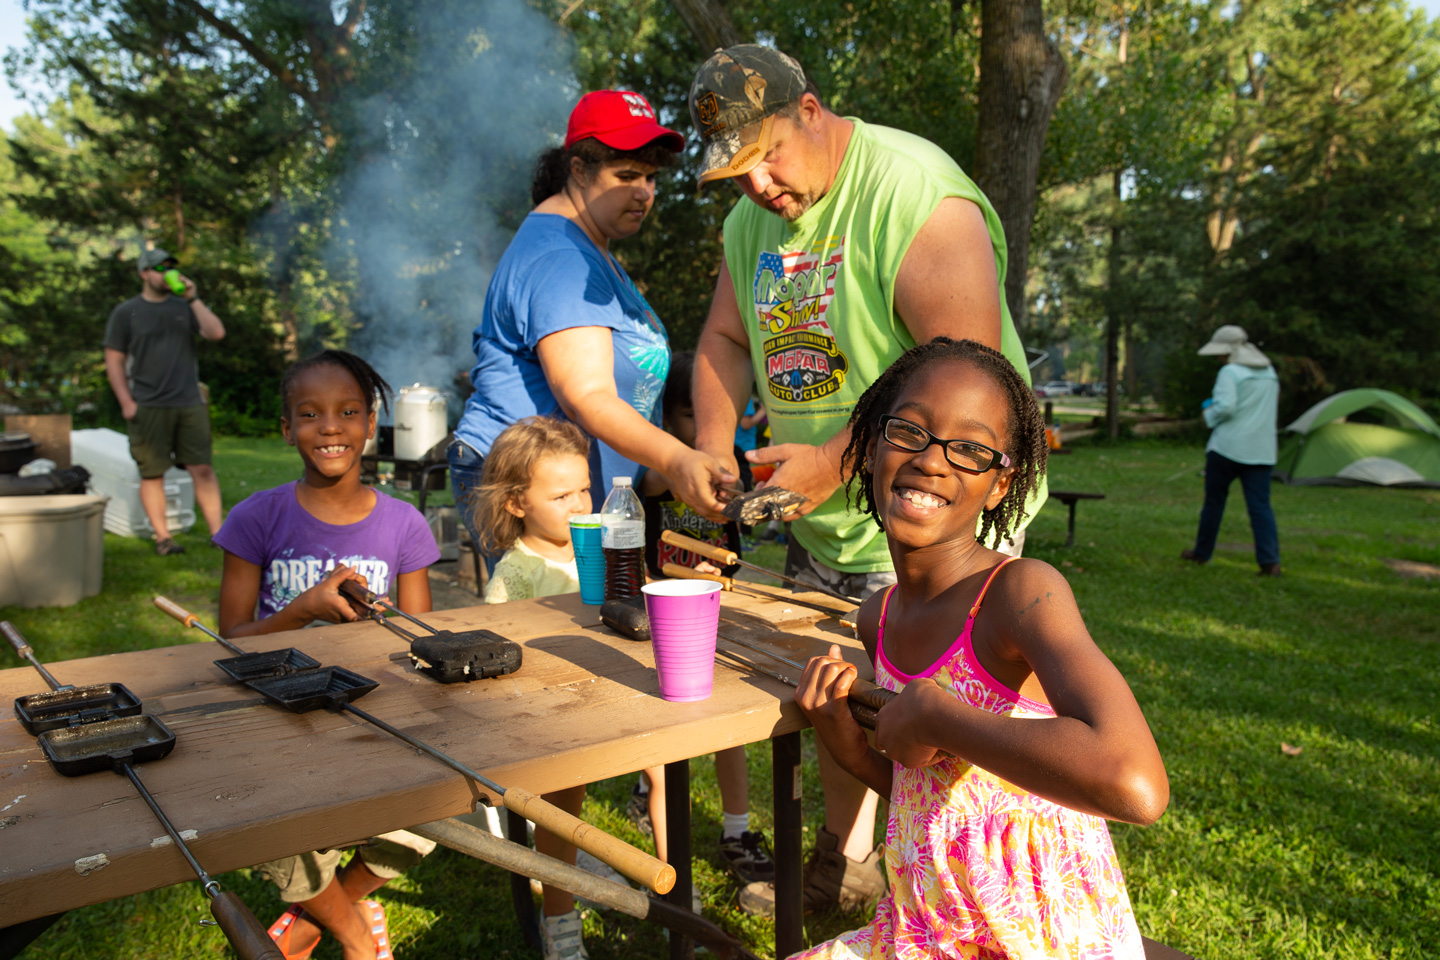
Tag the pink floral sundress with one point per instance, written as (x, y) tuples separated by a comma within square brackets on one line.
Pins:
[(978, 867)]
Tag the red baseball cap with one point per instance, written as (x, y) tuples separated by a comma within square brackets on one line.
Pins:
[(619, 119)]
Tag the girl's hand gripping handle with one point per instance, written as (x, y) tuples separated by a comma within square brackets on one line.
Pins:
[(635, 864), (240, 927), (726, 558)]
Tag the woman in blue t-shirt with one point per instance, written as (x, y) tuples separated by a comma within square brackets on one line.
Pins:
[(565, 331)]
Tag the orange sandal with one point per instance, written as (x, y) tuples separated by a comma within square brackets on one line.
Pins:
[(280, 932), (379, 929)]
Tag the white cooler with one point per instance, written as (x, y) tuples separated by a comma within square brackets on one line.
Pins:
[(106, 454)]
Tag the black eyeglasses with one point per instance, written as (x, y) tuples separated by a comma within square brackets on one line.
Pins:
[(964, 455)]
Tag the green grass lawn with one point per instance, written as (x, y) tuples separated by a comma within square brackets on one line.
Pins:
[(1327, 853)]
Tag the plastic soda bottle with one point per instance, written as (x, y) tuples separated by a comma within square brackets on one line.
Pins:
[(622, 539)]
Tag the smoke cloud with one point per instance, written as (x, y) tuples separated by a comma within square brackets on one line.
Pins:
[(447, 161)]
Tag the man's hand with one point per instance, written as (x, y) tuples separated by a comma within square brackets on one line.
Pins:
[(128, 409), (699, 479), (191, 291), (803, 469)]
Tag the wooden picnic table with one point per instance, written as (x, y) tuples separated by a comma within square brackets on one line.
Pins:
[(255, 782)]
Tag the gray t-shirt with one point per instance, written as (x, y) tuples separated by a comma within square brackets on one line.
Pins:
[(158, 340)]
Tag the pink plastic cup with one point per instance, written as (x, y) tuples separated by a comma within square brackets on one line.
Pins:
[(684, 616)]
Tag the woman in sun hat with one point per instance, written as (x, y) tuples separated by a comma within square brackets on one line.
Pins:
[(1241, 411)]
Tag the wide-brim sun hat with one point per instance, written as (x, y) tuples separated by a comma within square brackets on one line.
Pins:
[(733, 103), (621, 119), (1232, 341)]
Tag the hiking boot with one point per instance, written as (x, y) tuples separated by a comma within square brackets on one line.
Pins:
[(1188, 554), (831, 880), (1269, 570), (560, 937), (167, 547), (746, 857), (638, 809)]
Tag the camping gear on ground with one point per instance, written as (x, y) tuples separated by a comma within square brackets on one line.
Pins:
[(120, 743), (72, 480), (729, 558), (761, 506), (420, 422), (334, 687), (445, 656), (1361, 436), (732, 585), (16, 450), (66, 705), (244, 667), (52, 549), (114, 474), (482, 845)]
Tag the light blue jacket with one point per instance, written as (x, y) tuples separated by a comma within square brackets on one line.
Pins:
[(1242, 414)]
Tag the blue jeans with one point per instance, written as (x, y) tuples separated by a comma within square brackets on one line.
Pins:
[(467, 467), (1220, 472)]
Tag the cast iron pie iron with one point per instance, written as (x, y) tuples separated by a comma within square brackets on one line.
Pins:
[(244, 667), (761, 506), (66, 705), (444, 655), (120, 743)]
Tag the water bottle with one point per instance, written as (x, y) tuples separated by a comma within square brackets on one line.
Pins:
[(173, 281), (622, 539)]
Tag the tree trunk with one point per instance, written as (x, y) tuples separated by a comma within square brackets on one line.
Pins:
[(1112, 323), (710, 22), (1022, 74)]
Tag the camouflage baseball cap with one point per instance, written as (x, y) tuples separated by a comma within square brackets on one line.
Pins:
[(150, 259), (733, 102)]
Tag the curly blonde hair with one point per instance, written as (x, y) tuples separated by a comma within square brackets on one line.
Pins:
[(509, 469)]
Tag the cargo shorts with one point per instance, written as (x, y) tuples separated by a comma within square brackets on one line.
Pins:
[(303, 877), (165, 437)]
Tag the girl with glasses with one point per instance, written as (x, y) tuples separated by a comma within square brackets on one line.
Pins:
[(1010, 744)]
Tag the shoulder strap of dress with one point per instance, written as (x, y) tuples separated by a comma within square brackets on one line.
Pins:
[(981, 595), (884, 609)]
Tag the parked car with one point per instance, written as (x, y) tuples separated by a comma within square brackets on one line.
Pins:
[(1055, 388)]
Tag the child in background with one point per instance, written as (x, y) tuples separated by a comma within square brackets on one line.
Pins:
[(536, 478), (287, 551), (1009, 744), (741, 848)]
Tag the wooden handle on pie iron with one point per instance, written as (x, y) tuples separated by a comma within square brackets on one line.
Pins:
[(240, 927), (635, 864), (726, 558), (678, 572), (178, 612)]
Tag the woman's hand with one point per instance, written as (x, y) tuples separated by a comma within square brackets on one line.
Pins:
[(699, 480), (906, 724), (324, 601), (823, 693)]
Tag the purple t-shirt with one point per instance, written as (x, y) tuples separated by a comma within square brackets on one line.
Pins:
[(295, 551)]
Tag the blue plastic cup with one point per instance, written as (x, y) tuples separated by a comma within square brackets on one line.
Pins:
[(589, 557)]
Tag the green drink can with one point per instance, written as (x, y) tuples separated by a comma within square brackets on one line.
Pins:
[(172, 279)]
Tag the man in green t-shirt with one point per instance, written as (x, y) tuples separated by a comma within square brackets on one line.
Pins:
[(150, 362), (857, 241)]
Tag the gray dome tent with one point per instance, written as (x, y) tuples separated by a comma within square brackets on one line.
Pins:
[(1389, 442)]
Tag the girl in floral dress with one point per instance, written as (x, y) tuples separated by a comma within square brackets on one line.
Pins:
[(1012, 738)]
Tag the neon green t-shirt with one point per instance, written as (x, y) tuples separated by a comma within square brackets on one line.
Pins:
[(817, 297)]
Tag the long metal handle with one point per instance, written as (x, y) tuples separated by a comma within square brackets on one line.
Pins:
[(862, 692), (190, 620), (352, 591), (728, 558), (22, 647), (679, 572), (635, 864)]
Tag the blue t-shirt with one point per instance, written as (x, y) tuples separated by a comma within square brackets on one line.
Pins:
[(295, 551), (553, 278), (747, 437)]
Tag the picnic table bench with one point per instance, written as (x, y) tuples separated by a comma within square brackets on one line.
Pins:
[(1070, 498)]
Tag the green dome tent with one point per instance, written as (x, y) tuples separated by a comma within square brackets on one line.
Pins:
[(1362, 436)]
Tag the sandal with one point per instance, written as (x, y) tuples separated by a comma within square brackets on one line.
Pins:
[(280, 933), (379, 929)]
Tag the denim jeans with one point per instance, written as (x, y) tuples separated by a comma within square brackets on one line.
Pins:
[(467, 466), (1220, 472)]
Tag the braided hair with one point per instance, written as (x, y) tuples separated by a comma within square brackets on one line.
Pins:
[(1024, 428), (372, 385)]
